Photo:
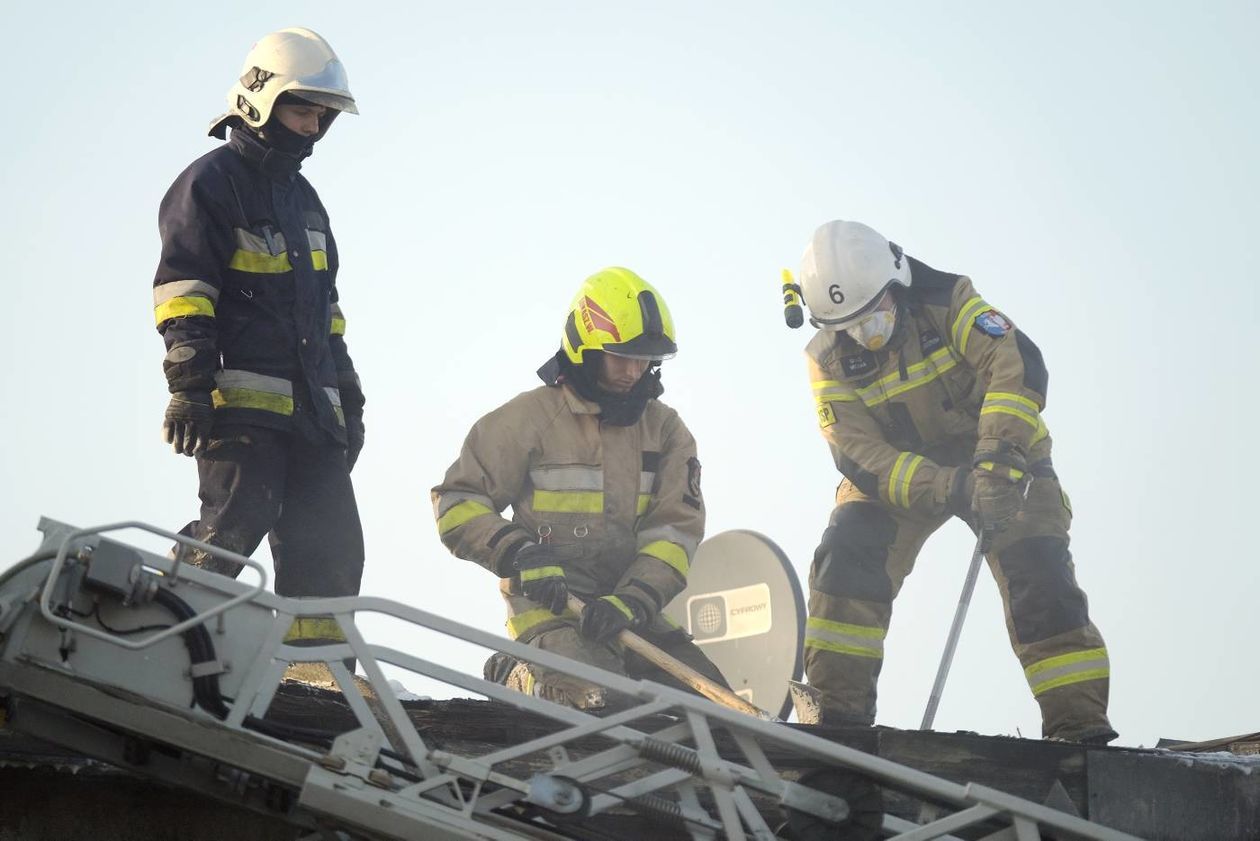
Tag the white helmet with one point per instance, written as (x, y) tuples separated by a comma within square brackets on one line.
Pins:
[(294, 60), (845, 270)]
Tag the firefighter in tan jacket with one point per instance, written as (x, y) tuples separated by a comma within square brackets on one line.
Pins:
[(604, 487), (930, 400)]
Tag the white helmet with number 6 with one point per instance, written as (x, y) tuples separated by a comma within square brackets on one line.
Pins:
[(845, 271)]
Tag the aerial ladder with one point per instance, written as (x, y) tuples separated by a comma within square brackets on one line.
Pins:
[(163, 669)]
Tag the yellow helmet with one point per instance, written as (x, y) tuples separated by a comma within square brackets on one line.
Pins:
[(618, 312)]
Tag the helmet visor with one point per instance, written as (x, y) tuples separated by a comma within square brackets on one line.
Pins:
[(651, 348)]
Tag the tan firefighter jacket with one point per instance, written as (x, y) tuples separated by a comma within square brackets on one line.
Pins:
[(630, 495), (956, 376)]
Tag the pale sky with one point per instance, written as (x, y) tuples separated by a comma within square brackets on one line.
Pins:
[(1092, 166)]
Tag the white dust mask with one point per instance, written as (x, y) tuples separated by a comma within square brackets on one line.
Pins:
[(874, 331)]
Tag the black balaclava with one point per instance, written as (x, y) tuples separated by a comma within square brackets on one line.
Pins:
[(614, 409), (277, 136)]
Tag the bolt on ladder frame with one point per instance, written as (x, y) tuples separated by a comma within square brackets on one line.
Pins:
[(75, 677)]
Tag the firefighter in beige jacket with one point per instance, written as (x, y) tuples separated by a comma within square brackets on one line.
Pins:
[(604, 486), (930, 400)]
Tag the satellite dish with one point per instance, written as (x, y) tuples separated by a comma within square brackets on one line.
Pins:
[(744, 607)]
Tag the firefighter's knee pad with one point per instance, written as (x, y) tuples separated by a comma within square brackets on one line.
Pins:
[(1045, 599), (852, 558)]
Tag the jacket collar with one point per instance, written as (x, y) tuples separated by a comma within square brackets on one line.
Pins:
[(273, 163), (577, 405)]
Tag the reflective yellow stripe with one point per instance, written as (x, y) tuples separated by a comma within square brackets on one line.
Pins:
[(642, 504), (248, 398), (1016, 405), (961, 329), (905, 480), (918, 374), (841, 638), (320, 260), (616, 602), (176, 307), (1075, 677), (522, 623), (869, 631), (899, 482), (1041, 432), (1031, 405), (255, 263), (569, 502), (841, 648), (541, 572), (1066, 669), (459, 514), (668, 553), (1005, 471), (832, 391), (338, 327), (322, 628), (1007, 410)]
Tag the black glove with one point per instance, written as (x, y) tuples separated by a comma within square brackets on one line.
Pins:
[(189, 417), (607, 616), (541, 568), (354, 439)]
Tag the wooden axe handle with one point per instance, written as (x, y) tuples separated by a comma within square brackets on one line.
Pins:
[(714, 692)]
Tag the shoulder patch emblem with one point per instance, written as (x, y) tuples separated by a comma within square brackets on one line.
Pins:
[(993, 323), (693, 476)]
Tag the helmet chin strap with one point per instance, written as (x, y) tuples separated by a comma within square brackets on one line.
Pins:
[(616, 409)]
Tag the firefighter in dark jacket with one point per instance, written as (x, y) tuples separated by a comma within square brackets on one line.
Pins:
[(263, 392), (931, 400)]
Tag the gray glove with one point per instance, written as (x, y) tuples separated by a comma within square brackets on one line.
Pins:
[(999, 496), (188, 420)]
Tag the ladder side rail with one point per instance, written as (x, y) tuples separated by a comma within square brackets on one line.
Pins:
[(1045, 815), (939, 828), (263, 676), (703, 714), (59, 562)]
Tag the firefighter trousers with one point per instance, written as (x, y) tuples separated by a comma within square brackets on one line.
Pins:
[(869, 548), (258, 482)]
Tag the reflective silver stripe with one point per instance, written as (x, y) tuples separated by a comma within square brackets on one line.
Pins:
[(869, 642), (247, 241), (183, 288), (448, 500), (334, 395), (670, 534), (568, 478), (257, 382), (646, 481), (1076, 667), (318, 240), (336, 311), (833, 390), (917, 374)]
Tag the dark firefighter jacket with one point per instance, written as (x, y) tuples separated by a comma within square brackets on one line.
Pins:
[(956, 378), (245, 294)]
